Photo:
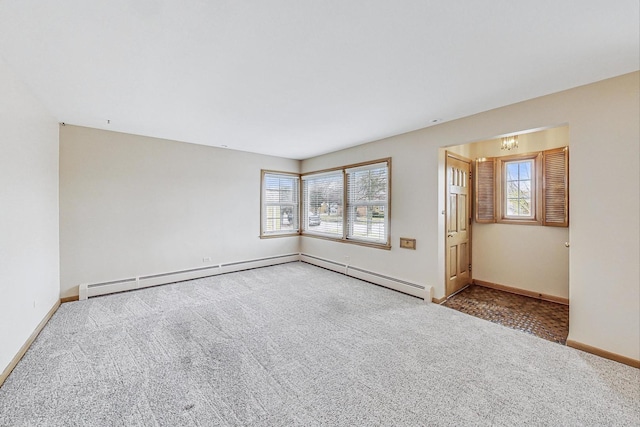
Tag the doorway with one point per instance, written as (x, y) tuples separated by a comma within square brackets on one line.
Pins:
[(528, 260)]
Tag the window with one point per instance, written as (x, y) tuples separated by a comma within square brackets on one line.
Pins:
[(364, 218), (518, 179), (367, 189), (524, 189), (280, 208), (323, 204)]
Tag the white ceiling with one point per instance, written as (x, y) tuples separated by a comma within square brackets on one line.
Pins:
[(298, 78)]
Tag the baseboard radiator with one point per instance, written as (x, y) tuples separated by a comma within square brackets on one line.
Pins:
[(88, 290), (420, 291)]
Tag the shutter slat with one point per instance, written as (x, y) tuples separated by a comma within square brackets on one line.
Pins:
[(485, 191), (556, 187)]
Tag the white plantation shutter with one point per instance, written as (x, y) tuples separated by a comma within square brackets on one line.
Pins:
[(367, 203), (280, 203), (323, 195)]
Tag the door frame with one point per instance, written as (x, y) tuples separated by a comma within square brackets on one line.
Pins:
[(449, 154)]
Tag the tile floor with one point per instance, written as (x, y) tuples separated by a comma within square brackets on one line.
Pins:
[(548, 320)]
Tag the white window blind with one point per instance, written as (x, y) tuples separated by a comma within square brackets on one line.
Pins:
[(323, 204), (367, 203), (280, 203)]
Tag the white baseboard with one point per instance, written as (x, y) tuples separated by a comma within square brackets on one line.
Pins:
[(88, 290), (421, 291)]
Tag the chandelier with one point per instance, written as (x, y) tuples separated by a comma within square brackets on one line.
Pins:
[(510, 142)]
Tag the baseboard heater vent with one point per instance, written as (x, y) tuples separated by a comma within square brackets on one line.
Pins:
[(109, 287), (268, 260), (191, 270), (177, 276), (322, 262), (88, 290), (420, 291), (114, 282), (382, 276)]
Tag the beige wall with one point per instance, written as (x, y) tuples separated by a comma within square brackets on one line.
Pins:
[(604, 284), (414, 189), (132, 205), (532, 258), (529, 142), (29, 258)]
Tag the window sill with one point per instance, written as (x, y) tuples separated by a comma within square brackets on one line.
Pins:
[(519, 221), (275, 236)]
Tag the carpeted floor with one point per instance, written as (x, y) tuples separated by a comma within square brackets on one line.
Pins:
[(298, 345), (544, 319)]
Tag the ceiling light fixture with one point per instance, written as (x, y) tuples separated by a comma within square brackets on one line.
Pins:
[(509, 143)]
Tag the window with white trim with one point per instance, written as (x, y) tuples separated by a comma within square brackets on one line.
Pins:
[(280, 209), (349, 204)]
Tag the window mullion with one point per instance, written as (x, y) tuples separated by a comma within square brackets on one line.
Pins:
[(347, 204), (350, 219)]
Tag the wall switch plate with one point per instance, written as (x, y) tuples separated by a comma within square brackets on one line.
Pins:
[(206, 259), (407, 243)]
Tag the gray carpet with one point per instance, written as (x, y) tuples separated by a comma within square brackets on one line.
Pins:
[(298, 345)]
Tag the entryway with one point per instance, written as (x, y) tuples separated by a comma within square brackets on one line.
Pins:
[(544, 319), (514, 193)]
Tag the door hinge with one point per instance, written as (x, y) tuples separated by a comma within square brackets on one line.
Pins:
[(469, 267)]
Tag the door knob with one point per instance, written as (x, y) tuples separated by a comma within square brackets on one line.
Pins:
[(566, 244), (449, 235)]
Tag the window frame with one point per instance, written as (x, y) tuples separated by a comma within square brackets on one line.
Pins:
[(352, 202), (536, 191), (305, 208), (295, 205), (346, 226)]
